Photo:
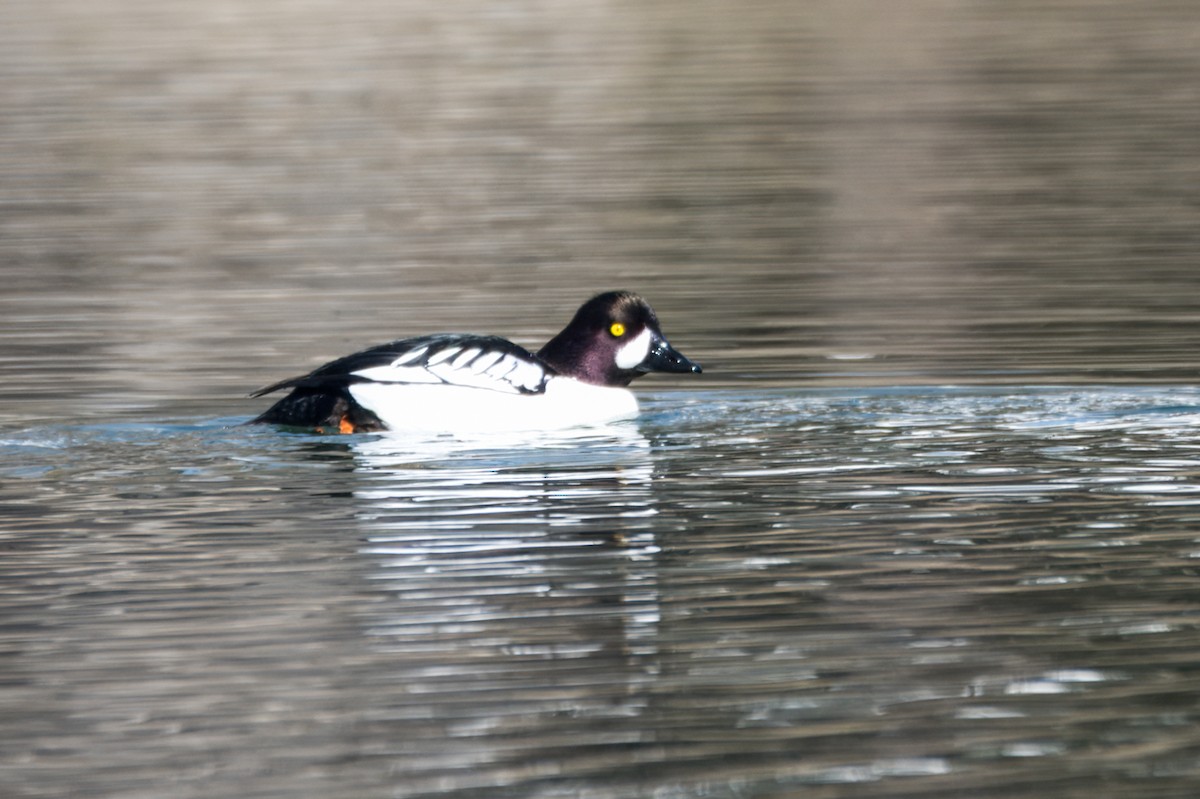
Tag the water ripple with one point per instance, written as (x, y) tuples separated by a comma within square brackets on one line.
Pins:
[(776, 589)]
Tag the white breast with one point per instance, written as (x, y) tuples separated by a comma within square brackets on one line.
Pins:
[(457, 408)]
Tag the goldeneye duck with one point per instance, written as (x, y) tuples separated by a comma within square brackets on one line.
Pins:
[(451, 382)]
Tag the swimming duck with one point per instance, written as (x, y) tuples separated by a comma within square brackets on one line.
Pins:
[(452, 382)]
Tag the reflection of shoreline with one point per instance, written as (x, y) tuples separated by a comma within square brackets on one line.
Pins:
[(539, 560)]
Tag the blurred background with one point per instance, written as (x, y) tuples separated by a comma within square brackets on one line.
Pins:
[(199, 198), (805, 583)]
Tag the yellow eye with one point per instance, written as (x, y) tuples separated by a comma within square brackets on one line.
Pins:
[(617, 329)]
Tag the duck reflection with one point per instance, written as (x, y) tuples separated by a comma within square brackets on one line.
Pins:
[(523, 576)]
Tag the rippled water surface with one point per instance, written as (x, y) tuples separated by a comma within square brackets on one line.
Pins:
[(913, 592), (927, 526)]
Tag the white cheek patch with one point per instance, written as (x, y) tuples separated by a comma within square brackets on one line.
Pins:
[(635, 351)]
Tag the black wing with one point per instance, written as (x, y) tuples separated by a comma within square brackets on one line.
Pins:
[(458, 359)]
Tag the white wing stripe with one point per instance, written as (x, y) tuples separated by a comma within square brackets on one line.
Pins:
[(503, 367), (411, 356), (398, 374), (461, 366), (485, 362), (444, 355), (466, 356)]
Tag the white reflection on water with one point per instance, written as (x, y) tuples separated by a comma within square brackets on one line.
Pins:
[(528, 555)]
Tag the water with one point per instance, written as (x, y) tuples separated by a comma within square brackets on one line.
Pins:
[(925, 527), (918, 592)]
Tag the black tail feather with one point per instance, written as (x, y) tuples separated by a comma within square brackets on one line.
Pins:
[(319, 410), (282, 384)]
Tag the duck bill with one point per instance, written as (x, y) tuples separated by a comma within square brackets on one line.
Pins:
[(665, 358)]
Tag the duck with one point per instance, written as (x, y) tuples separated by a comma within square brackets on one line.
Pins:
[(463, 382)]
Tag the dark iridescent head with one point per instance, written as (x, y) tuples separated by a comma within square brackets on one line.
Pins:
[(613, 339)]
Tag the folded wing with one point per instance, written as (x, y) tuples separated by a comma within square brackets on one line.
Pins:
[(485, 362)]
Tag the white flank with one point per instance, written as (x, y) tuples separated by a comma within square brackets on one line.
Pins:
[(462, 409), (635, 351)]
